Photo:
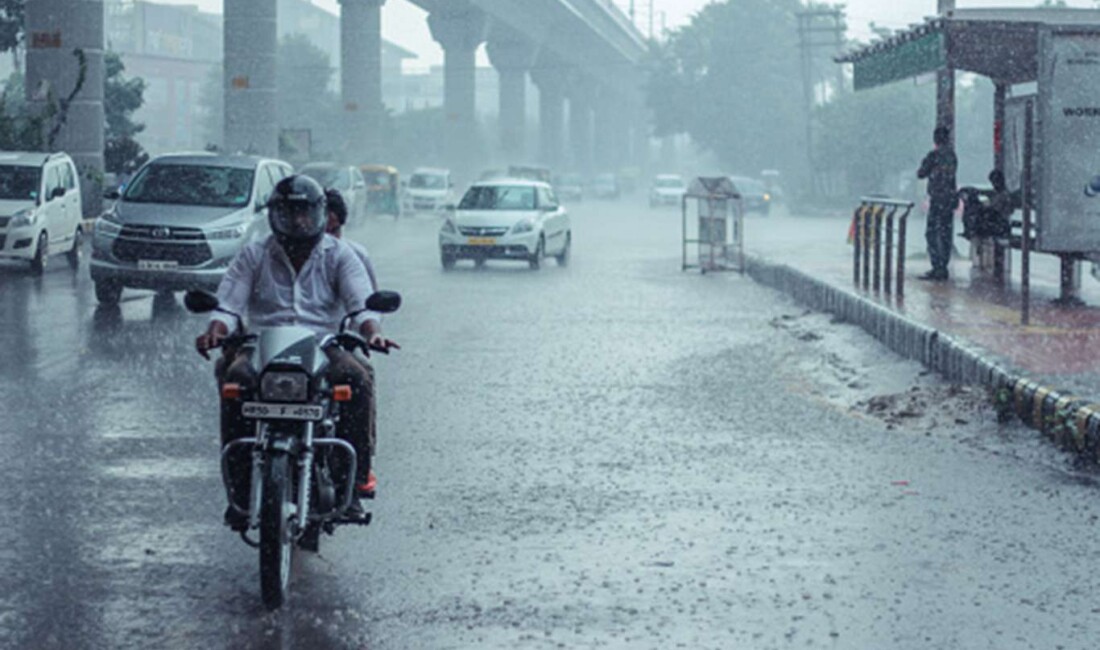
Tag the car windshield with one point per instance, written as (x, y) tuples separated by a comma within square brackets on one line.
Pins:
[(499, 197), (19, 183), (326, 176), (670, 183), (224, 187), (428, 182), (377, 178)]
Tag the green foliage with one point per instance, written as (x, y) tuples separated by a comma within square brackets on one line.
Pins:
[(415, 137), (121, 97), (11, 24), (731, 80), (876, 132), (19, 130), (303, 75), (876, 138)]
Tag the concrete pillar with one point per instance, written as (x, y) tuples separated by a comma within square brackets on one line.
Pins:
[(640, 132), (580, 126), (551, 77), (250, 39), (612, 132), (54, 29), (460, 28), (361, 77), (512, 55)]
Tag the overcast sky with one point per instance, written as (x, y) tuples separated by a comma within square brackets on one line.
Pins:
[(403, 22)]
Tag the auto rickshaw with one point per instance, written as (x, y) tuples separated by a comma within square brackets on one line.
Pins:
[(383, 189)]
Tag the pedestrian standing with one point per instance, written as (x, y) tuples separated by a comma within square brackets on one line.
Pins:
[(939, 168)]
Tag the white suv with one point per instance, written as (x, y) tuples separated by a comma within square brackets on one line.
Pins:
[(40, 208), (428, 190)]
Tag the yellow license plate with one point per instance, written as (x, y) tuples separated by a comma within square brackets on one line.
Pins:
[(482, 241)]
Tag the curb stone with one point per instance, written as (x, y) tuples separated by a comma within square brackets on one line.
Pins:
[(1069, 421)]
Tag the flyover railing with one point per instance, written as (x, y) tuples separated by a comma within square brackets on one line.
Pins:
[(878, 261)]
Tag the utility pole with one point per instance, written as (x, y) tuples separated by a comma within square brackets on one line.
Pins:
[(812, 24)]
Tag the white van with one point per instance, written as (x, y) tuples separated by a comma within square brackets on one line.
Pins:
[(41, 213)]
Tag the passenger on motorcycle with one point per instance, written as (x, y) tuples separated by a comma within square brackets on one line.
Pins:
[(337, 217), (298, 275)]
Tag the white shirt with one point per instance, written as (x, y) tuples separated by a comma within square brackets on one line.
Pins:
[(262, 286), (364, 257)]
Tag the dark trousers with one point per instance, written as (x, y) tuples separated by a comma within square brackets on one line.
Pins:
[(357, 417), (938, 231)]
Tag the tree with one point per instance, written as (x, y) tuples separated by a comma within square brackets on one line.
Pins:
[(11, 24), (121, 97), (731, 80), (304, 76)]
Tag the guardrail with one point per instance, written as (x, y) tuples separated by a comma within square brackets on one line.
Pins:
[(873, 222)]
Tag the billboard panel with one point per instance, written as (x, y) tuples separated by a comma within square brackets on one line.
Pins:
[(1069, 141)]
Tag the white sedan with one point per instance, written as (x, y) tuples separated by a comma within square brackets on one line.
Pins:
[(506, 219)]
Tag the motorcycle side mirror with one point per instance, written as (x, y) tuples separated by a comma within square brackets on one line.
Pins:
[(384, 302), (200, 302)]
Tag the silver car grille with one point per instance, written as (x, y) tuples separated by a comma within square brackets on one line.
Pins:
[(493, 231)]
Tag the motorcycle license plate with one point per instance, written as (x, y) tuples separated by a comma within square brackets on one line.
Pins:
[(482, 241), (261, 411), (157, 265)]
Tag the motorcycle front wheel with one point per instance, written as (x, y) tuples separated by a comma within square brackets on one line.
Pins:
[(276, 544)]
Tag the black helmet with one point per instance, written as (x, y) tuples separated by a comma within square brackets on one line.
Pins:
[(296, 212), (336, 204)]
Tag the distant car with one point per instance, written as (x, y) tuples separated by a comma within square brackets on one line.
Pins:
[(605, 186), (754, 195), (40, 208), (667, 189), (181, 221), (345, 178), (569, 187), (428, 190), (509, 219), (530, 172)]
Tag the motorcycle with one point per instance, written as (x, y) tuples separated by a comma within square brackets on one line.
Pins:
[(294, 495)]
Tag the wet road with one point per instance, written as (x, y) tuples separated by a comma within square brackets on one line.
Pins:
[(614, 454)]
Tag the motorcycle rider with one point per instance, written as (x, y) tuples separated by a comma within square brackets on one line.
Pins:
[(297, 275)]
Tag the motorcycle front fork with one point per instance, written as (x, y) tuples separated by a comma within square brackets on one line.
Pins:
[(261, 447)]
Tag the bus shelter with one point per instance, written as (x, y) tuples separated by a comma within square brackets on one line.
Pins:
[(717, 231), (1045, 58)]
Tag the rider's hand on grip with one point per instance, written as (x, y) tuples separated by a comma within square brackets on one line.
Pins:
[(379, 343), (211, 339)]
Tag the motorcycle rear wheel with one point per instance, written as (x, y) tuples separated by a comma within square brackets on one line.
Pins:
[(276, 544)]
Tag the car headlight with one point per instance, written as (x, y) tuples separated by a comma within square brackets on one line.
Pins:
[(26, 217), (449, 227), (284, 387), (527, 225), (106, 225), (234, 232)]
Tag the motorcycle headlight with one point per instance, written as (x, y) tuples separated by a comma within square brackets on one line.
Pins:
[(26, 217), (234, 232), (284, 387), (527, 225), (449, 227)]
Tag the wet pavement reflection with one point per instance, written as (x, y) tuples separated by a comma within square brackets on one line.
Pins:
[(613, 454)]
